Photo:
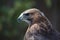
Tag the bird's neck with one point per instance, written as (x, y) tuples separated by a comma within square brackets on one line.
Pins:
[(42, 27)]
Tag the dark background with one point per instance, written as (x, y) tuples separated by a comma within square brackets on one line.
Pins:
[(10, 29)]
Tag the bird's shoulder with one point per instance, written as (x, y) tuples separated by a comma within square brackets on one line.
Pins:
[(33, 28)]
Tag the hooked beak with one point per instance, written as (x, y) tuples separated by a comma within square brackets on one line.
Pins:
[(20, 18)]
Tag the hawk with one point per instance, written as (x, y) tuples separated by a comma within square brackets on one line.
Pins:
[(39, 27)]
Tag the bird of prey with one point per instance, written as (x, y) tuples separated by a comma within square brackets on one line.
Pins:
[(39, 27)]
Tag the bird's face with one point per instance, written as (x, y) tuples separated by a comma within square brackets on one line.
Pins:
[(24, 16), (29, 15)]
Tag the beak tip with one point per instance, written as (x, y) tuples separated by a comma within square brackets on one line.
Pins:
[(18, 20)]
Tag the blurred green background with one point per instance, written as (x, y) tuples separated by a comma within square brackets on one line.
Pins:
[(10, 29)]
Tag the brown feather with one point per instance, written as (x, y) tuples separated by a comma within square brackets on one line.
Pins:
[(40, 25)]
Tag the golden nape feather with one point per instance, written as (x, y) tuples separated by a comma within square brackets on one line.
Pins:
[(39, 27)]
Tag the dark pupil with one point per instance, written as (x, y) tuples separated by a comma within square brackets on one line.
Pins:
[(27, 14)]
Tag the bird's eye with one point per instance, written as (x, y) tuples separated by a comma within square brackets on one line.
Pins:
[(27, 14)]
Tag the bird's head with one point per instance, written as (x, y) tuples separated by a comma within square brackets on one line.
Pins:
[(30, 15)]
